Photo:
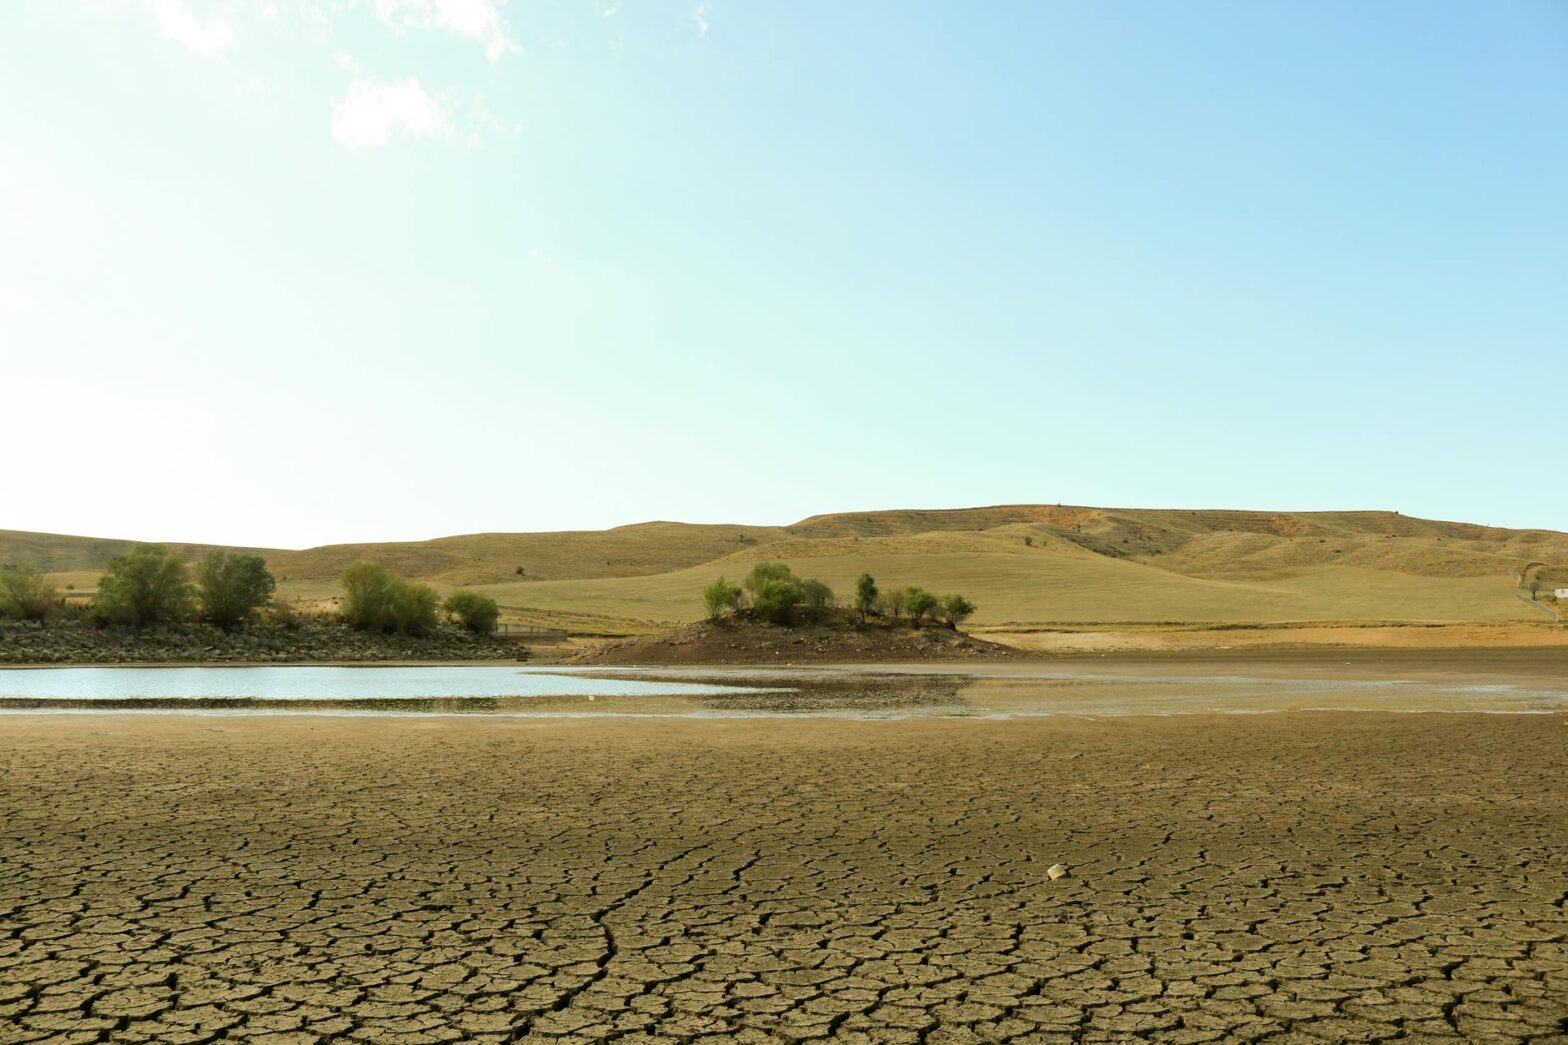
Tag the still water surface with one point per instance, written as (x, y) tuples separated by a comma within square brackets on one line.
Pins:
[(738, 692)]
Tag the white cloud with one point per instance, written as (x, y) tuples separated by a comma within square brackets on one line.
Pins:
[(476, 19), (182, 26), (374, 112), (700, 15)]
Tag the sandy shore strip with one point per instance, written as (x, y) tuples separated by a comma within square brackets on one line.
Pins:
[(1341, 876)]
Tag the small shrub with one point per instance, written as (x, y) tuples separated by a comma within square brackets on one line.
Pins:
[(286, 613), (147, 585), (866, 595), (956, 609), (25, 595), (720, 597), (478, 613), (233, 587), (817, 596), (919, 603)]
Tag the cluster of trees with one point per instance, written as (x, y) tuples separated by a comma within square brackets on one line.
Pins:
[(375, 599), (150, 584), (773, 590)]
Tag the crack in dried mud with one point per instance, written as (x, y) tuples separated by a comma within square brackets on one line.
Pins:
[(1290, 877)]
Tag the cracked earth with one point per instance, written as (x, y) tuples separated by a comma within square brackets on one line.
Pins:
[(1300, 877)]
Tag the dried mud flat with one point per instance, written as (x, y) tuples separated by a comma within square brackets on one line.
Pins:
[(1306, 877)]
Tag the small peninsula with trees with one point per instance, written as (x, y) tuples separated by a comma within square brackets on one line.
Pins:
[(775, 617)]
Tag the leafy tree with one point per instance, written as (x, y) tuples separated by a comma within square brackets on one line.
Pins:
[(895, 603), (146, 585), (775, 591), (956, 609), (816, 595), (375, 600), (919, 603), (764, 572), (865, 595), (25, 595), (776, 599), (233, 587), (720, 596), (478, 613), (413, 607), (367, 596)]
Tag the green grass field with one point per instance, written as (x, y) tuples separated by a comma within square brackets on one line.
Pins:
[(1022, 564)]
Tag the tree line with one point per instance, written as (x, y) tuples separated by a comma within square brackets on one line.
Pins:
[(777, 595), (150, 585)]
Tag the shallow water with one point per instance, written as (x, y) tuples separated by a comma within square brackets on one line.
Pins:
[(1016, 691)]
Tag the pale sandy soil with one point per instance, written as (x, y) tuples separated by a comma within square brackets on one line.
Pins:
[(1155, 639), (1312, 876)]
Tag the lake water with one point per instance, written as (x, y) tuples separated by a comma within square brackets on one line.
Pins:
[(1084, 690)]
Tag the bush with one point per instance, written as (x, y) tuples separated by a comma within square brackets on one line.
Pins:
[(919, 603), (233, 587), (817, 596), (956, 609), (25, 595), (146, 585), (414, 607), (776, 599), (367, 596), (375, 600), (476, 612), (720, 596), (764, 572), (865, 596), (287, 614)]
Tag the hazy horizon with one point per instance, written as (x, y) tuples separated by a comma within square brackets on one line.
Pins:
[(310, 272)]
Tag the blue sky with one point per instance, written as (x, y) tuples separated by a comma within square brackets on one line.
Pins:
[(306, 271)]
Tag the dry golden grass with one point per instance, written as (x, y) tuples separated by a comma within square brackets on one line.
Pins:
[(1020, 563)]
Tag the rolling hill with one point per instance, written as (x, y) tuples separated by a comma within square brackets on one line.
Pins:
[(1022, 564)]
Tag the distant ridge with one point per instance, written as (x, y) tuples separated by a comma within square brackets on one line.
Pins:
[(1020, 562)]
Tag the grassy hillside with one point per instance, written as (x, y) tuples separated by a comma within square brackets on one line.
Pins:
[(1020, 563)]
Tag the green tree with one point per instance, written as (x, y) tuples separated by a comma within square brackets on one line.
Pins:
[(367, 596), (376, 600), (414, 607), (233, 586), (895, 603), (476, 612), (25, 595), (776, 599), (817, 596), (764, 572), (919, 603), (865, 595), (956, 609), (719, 597), (775, 591), (146, 585)]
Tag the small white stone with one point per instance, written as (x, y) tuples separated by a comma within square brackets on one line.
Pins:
[(1056, 871)]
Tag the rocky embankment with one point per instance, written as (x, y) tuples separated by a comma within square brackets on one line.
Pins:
[(75, 642), (748, 641)]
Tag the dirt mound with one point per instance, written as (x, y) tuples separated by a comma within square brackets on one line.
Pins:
[(745, 641)]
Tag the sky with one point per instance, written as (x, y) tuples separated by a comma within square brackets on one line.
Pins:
[(299, 272)]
